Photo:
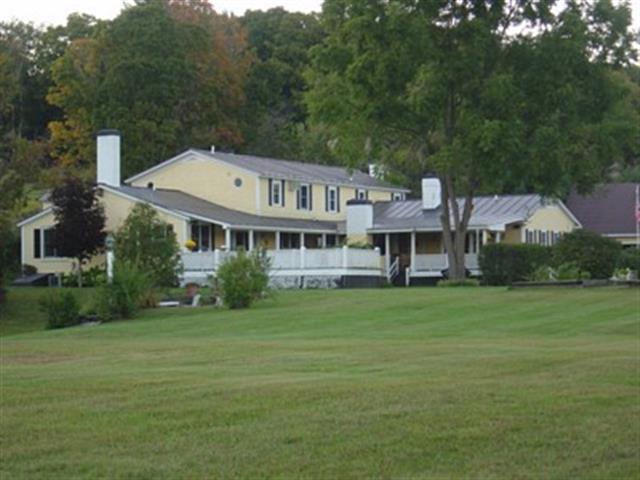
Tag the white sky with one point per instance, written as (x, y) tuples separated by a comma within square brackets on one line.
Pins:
[(56, 11)]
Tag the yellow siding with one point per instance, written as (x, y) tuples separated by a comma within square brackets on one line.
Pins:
[(318, 211), (551, 217), (428, 243), (116, 210), (215, 181), (512, 235), (207, 179), (54, 265)]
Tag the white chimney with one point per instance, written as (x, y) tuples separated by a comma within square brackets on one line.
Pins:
[(430, 193), (359, 219), (108, 157)]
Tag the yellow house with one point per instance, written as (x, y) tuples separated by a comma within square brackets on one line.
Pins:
[(305, 215)]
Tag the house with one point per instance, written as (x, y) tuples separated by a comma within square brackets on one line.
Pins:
[(304, 215), (609, 211)]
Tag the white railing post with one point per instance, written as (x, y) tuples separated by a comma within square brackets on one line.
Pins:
[(345, 256), (216, 258), (302, 251)]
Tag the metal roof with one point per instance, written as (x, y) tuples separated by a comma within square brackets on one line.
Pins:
[(608, 211), (487, 210), (197, 208), (302, 172)]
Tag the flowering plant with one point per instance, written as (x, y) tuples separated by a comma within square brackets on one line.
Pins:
[(190, 244)]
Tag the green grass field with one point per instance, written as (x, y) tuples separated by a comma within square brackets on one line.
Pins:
[(421, 382)]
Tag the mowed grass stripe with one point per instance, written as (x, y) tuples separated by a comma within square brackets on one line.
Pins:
[(481, 383)]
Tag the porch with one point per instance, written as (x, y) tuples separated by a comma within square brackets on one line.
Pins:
[(301, 267), (413, 255)]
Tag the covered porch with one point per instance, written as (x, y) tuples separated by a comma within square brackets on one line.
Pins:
[(421, 254)]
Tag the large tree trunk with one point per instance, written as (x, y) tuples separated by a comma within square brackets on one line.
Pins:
[(454, 225)]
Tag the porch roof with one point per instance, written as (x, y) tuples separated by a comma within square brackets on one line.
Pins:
[(488, 212), (198, 209)]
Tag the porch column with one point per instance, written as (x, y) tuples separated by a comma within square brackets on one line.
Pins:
[(251, 240), (227, 239), (498, 237), (413, 249), (387, 252), (302, 239), (485, 238), (277, 240), (478, 240), (324, 240)]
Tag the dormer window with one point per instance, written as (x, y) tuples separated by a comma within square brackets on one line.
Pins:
[(361, 194), (397, 196), (276, 192)]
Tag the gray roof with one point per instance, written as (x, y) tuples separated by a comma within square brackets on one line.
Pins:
[(195, 207), (302, 172), (609, 210), (489, 210)]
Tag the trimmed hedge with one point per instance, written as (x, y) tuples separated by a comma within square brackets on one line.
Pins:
[(629, 258), (503, 264), (591, 253)]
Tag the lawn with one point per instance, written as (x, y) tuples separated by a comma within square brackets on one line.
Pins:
[(420, 382)]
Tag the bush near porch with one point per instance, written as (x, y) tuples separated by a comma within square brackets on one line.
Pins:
[(503, 264)]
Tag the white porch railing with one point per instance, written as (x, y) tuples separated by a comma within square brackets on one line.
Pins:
[(292, 259)]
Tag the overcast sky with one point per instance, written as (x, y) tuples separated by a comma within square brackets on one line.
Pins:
[(56, 11)]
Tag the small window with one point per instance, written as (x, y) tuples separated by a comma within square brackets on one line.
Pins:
[(397, 196), (304, 197), (289, 240), (361, 194), (237, 182), (276, 193), (333, 200)]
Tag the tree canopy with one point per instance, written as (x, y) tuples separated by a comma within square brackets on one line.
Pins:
[(487, 95)]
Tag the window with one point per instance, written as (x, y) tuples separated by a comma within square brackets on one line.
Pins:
[(332, 240), (332, 199), (304, 197), (44, 243), (361, 194), (48, 244), (289, 240), (276, 192), (201, 234), (240, 240), (397, 196)]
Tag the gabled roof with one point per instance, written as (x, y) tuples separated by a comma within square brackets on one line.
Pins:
[(285, 170), (610, 210), (193, 207), (488, 210)]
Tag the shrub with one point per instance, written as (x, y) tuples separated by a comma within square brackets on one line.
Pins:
[(467, 282), (61, 309), (629, 258), (124, 295), (29, 269), (566, 271), (243, 278), (503, 264), (590, 252), (148, 242), (93, 277)]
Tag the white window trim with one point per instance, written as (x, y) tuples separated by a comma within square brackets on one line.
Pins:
[(42, 246), (397, 196), (331, 190), (307, 186), (361, 194), (276, 184)]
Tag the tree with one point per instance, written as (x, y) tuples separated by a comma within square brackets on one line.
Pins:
[(484, 94), (150, 244), (169, 74), (79, 221), (275, 113)]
